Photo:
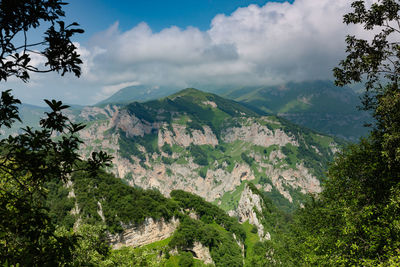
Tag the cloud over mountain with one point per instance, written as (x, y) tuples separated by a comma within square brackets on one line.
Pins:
[(266, 44)]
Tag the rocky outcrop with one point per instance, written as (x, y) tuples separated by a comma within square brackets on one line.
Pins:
[(249, 205), (218, 178), (148, 232), (259, 135), (131, 125), (91, 113), (182, 136), (299, 178), (202, 253), (184, 176)]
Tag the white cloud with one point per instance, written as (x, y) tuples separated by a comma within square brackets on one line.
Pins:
[(273, 43), (111, 89), (254, 45)]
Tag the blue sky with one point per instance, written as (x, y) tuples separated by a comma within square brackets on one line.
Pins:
[(191, 43), (96, 15)]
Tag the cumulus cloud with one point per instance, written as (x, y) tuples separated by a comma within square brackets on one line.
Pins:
[(254, 45), (273, 43)]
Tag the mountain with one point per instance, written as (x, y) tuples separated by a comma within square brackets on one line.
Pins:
[(137, 93), (318, 105), (196, 179), (210, 146)]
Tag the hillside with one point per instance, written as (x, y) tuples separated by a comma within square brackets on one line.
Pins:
[(201, 180), (145, 228), (209, 146), (318, 105)]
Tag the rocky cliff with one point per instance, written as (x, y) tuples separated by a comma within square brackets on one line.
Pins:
[(166, 146), (250, 209), (148, 232)]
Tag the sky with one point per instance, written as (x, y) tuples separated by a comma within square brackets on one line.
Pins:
[(194, 43)]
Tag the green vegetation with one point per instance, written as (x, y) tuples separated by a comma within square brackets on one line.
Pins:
[(129, 146), (57, 210), (354, 221), (208, 212), (196, 110), (119, 202), (28, 161), (318, 105), (190, 104), (122, 204), (223, 248)]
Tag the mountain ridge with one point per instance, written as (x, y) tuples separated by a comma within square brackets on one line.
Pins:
[(209, 146), (318, 105)]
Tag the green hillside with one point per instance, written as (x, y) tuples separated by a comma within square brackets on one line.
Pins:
[(198, 107), (123, 206), (318, 105)]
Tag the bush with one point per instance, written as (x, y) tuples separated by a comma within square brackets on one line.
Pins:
[(186, 259)]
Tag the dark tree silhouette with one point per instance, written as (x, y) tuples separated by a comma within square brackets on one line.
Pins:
[(29, 160)]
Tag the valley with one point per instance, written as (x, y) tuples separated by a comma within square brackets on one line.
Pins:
[(192, 173)]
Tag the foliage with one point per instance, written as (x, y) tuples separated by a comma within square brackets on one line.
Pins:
[(249, 160), (17, 18), (208, 212), (131, 145), (167, 149), (199, 155), (354, 221), (91, 248), (120, 203), (186, 259), (29, 160), (376, 60), (223, 248)]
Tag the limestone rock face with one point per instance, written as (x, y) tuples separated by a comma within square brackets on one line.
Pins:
[(258, 135), (150, 231), (202, 253), (220, 176), (131, 125), (249, 203), (181, 136)]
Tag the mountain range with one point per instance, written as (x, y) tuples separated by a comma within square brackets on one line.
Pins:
[(210, 146), (193, 172), (318, 105)]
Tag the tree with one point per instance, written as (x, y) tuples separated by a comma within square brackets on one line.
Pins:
[(29, 160), (17, 18), (355, 219), (377, 62)]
